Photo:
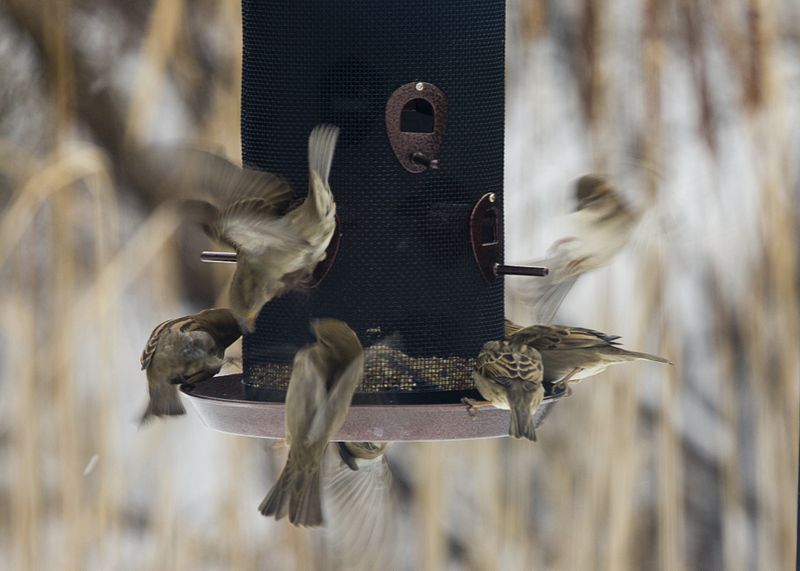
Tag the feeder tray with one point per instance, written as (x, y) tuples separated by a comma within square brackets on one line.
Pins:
[(225, 404), (416, 269)]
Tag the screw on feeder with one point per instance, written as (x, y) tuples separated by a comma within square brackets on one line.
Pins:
[(419, 86), (425, 160)]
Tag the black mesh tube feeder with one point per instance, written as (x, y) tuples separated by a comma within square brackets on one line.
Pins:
[(417, 89)]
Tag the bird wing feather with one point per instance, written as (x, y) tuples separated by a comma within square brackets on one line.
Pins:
[(502, 360), (190, 173), (541, 297), (306, 387), (362, 509), (559, 337), (330, 417), (252, 226)]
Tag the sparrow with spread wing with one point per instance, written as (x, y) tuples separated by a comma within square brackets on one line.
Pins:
[(599, 227), (277, 247)]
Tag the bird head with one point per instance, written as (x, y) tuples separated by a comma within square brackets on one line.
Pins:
[(598, 195), (591, 188), (339, 341)]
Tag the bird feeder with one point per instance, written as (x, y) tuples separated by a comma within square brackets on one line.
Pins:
[(416, 266)]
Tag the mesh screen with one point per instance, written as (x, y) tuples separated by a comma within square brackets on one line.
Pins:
[(404, 274)]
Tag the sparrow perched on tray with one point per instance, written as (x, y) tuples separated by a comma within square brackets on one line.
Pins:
[(185, 350), (573, 353), (509, 376), (599, 227), (324, 378)]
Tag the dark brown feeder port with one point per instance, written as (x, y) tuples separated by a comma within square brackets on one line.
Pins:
[(417, 89)]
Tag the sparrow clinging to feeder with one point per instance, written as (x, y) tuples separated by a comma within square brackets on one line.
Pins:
[(573, 353), (509, 376), (278, 252), (599, 227), (324, 377), (277, 246), (185, 350)]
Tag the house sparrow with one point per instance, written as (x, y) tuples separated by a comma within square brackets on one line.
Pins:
[(599, 227), (509, 376), (277, 247), (184, 350), (324, 377), (573, 353)]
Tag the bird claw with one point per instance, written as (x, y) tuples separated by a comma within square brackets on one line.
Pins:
[(565, 382), (563, 388), (473, 405), (471, 408)]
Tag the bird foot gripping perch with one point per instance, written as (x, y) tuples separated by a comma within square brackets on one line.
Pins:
[(473, 405)]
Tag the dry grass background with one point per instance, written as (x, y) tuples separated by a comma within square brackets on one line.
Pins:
[(690, 105)]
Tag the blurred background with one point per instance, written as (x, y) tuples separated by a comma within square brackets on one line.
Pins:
[(692, 108)]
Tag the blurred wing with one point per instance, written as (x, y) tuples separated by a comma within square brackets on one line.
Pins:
[(541, 297), (321, 147), (195, 174), (361, 514), (252, 225)]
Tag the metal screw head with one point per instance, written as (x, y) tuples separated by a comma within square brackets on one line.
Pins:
[(492, 197), (419, 86)]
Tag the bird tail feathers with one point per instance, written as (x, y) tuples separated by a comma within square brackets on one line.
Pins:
[(296, 493), (633, 355), (521, 424), (321, 146), (164, 401)]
